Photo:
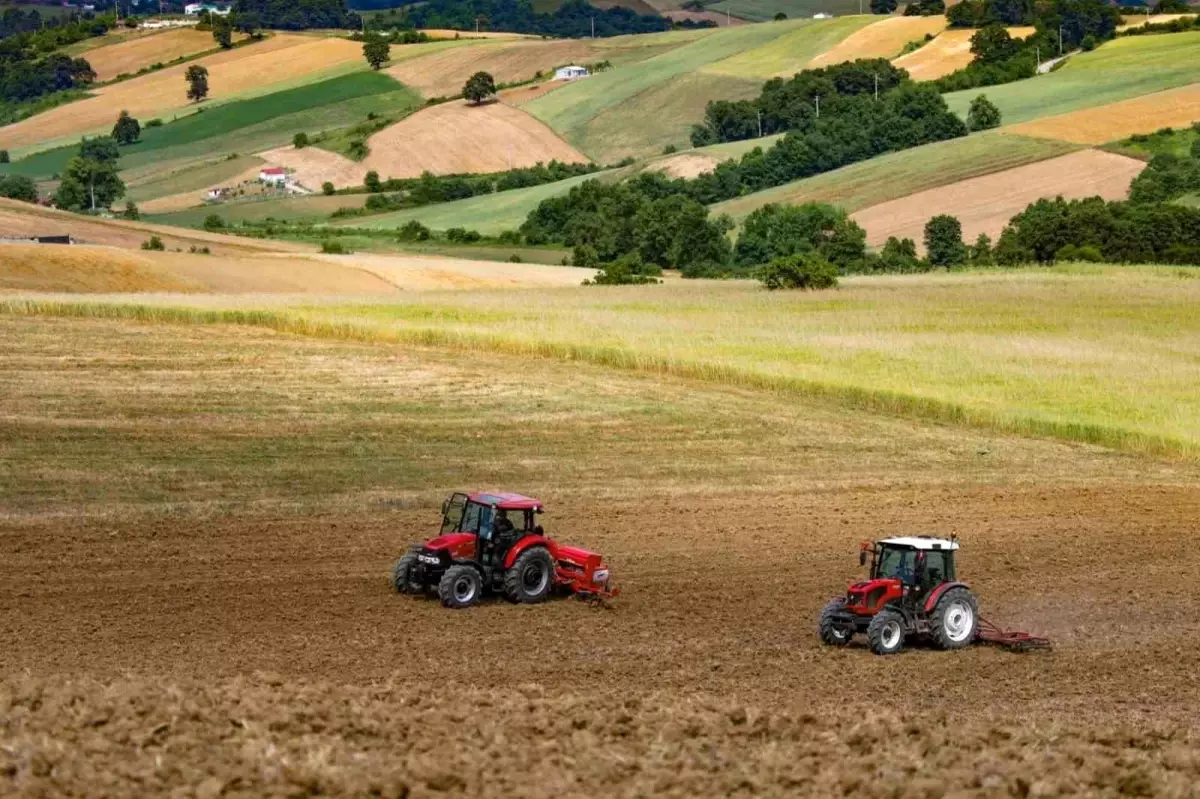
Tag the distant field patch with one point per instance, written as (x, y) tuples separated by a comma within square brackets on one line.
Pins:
[(790, 53), (306, 208), (985, 204), (312, 167), (949, 52), (487, 213), (898, 175), (1172, 108), (765, 10), (185, 187), (684, 165), (129, 56), (882, 39), (35, 267), (457, 138), (443, 73), (1115, 71), (1140, 21), (250, 70)]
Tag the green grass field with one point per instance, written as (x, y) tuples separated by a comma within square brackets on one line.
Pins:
[(1105, 355), (1178, 142), (246, 126), (1118, 70), (763, 10), (791, 52), (194, 177), (310, 208), (895, 175)]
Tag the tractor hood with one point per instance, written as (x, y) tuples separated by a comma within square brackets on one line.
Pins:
[(458, 545)]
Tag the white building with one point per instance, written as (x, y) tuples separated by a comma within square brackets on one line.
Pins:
[(570, 73), (273, 176), (194, 9)]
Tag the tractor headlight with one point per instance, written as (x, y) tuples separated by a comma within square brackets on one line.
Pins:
[(600, 576), (431, 559)]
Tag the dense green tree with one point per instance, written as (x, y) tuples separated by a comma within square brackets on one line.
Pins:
[(774, 231), (127, 130), (249, 23), (222, 31), (4, 158), (18, 187), (883, 6), (131, 211), (780, 16), (292, 16), (900, 255), (214, 222), (944, 242), (993, 44), (372, 183), (981, 251), (327, 189), (807, 270), (300, 140), (377, 51), (90, 181), (982, 114), (197, 80), (479, 87)]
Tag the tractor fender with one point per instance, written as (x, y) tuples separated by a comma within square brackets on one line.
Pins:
[(527, 543), (936, 594)]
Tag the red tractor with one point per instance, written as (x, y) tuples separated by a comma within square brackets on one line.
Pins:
[(912, 591), (492, 543)]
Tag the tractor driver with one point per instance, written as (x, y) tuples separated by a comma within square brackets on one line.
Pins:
[(504, 527)]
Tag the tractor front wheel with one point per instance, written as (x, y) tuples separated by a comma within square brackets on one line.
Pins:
[(886, 632), (531, 577), (831, 628), (402, 574), (460, 587), (954, 621)]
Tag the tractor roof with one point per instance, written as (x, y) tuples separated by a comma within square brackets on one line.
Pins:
[(920, 542), (506, 501)]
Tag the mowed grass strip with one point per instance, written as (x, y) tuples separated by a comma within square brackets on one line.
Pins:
[(1102, 355), (896, 175), (1115, 71), (790, 53)]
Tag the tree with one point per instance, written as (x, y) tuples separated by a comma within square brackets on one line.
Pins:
[(377, 51), (944, 241), (18, 187), (91, 180), (993, 44), (780, 17), (327, 189), (248, 22), (1196, 148), (127, 130), (807, 270), (981, 251), (4, 157), (214, 222), (883, 6), (982, 114), (131, 211), (197, 79), (300, 140), (372, 183), (222, 31), (479, 87)]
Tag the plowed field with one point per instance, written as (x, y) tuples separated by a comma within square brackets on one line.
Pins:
[(456, 138), (443, 74), (197, 523)]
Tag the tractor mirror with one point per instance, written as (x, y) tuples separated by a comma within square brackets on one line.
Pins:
[(538, 530), (862, 557)]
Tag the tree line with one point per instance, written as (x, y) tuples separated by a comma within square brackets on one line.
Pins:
[(29, 66), (573, 19), (294, 15)]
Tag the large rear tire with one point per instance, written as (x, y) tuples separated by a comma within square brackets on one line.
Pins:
[(886, 632), (531, 577), (954, 622), (402, 574), (460, 587), (831, 631)]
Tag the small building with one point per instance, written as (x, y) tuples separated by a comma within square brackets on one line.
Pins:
[(822, 15), (273, 176), (194, 9), (570, 73)]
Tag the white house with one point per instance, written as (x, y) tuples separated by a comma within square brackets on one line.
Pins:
[(194, 9), (570, 73), (822, 16), (273, 176)]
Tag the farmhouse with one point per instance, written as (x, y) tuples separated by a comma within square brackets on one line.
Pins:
[(193, 9), (274, 176), (570, 73)]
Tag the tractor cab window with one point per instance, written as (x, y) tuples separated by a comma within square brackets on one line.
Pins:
[(452, 514), (898, 564), (936, 569), (472, 517)]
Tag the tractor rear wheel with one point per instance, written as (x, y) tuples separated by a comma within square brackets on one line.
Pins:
[(954, 621), (830, 629), (886, 632), (402, 574), (460, 587), (531, 577)]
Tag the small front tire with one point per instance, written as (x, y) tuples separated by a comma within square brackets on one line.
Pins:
[(402, 574), (886, 632), (830, 628), (460, 587)]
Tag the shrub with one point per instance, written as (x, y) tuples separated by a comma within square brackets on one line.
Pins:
[(1087, 253), (327, 189), (153, 243), (509, 237), (944, 241), (131, 211), (300, 140), (4, 159), (413, 231), (670, 148), (199, 250), (213, 222), (1088, 43), (154, 123), (807, 270), (18, 187), (585, 255), (333, 247), (983, 114), (515, 259), (372, 183), (462, 236)]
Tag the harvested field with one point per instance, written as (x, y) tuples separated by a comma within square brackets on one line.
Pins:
[(949, 52), (279, 60), (457, 138), (792, 52), (445, 33), (1139, 21), (442, 74), (882, 39), (286, 473), (23, 219), (129, 56), (519, 95), (684, 165), (985, 204), (43, 267), (312, 166), (421, 273), (1106, 123)]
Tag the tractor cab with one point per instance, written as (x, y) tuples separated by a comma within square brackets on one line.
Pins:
[(918, 563)]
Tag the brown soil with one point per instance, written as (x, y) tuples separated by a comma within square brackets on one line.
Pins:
[(1173, 108), (949, 52), (519, 95), (456, 138), (131, 55), (685, 165), (312, 166), (41, 267), (442, 74), (985, 204), (883, 39)]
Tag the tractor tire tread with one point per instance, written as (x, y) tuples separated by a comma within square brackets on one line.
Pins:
[(826, 628), (401, 572), (450, 577), (937, 627), (875, 632), (514, 589)]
